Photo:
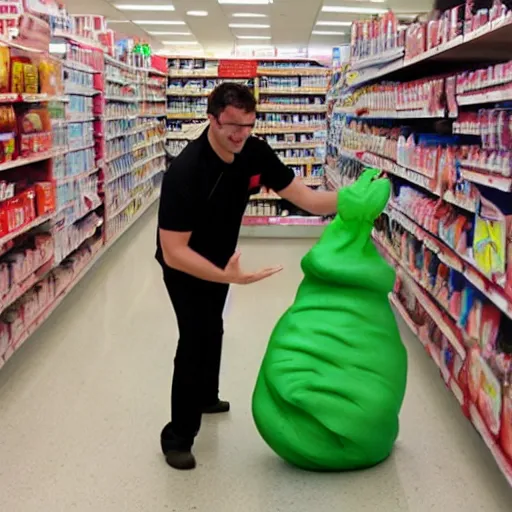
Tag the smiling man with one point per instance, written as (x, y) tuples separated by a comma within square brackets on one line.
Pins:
[(204, 196)]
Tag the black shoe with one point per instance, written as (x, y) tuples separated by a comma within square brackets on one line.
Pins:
[(220, 407), (182, 460), (177, 450)]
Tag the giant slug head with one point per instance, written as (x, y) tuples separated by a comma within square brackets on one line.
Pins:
[(366, 199)]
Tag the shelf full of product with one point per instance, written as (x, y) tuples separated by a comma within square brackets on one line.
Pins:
[(78, 165), (444, 138), (291, 117)]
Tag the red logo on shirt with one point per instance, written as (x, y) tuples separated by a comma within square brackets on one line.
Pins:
[(255, 181)]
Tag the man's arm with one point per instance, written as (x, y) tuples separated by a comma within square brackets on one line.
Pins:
[(178, 255), (315, 202)]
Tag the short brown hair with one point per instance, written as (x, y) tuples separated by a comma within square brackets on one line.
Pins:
[(230, 94)]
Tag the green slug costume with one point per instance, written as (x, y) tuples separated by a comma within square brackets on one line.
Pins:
[(333, 378)]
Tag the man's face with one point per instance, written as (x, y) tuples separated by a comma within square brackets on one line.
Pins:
[(232, 128)]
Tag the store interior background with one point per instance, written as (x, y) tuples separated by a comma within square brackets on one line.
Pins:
[(83, 400), (291, 26)]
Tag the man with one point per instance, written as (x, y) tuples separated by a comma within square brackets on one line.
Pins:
[(204, 196)]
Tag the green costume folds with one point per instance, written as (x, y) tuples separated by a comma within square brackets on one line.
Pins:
[(333, 378)]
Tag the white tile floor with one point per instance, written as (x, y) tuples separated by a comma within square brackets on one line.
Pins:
[(82, 404)]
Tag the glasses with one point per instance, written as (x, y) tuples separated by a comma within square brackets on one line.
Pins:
[(235, 127)]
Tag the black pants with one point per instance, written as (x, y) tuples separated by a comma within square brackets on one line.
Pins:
[(198, 306)]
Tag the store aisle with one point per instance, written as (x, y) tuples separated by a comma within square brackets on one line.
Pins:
[(82, 404)]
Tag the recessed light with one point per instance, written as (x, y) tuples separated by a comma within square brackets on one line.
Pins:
[(248, 15), (248, 25), (158, 22), (197, 13), (253, 37), (334, 23), (353, 10), (150, 7), (181, 43), (327, 33), (168, 33), (245, 2)]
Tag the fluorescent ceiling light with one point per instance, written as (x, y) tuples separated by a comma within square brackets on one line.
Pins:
[(150, 7), (245, 2), (353, 10), (248, 25), (248, 15), (334, 23), (253, 37), (327, 33), (118, 21), (253, 46), (168, 33), (158, 22), (181, 43), (197, 13)]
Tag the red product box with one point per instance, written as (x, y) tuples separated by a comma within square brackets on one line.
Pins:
[(45, 197)]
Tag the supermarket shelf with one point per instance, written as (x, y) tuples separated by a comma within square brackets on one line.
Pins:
[(265, 197), (366, 113), (154, 99), (295, 71), (307, 91), (19, 289), (135, 131), (377, 60), (79, 119), (391, 167), (119, 81), (45, 314), (81, 91), (152, 114), (188, 94), (281, 231), (117, 118), (481, 97), (492, 291), (30, 98), (503, 183), (302, 161), (78, 66), (77, 177), (79, 148), (300, 109), (78, 39), (295, 128), (19, 162), (38, 221), (262, 220), (297, 145), (490, 42), (191, 73), (81, 215), (474, 415), (135, 218), (123, 99), (403, 313), (186, 115)]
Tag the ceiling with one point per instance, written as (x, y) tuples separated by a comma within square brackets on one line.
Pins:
[(291, 22)]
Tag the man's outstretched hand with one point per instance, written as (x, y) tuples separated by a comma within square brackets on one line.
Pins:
[(235, 274)]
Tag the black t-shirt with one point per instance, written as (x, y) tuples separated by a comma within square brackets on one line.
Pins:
[(203, 194)]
